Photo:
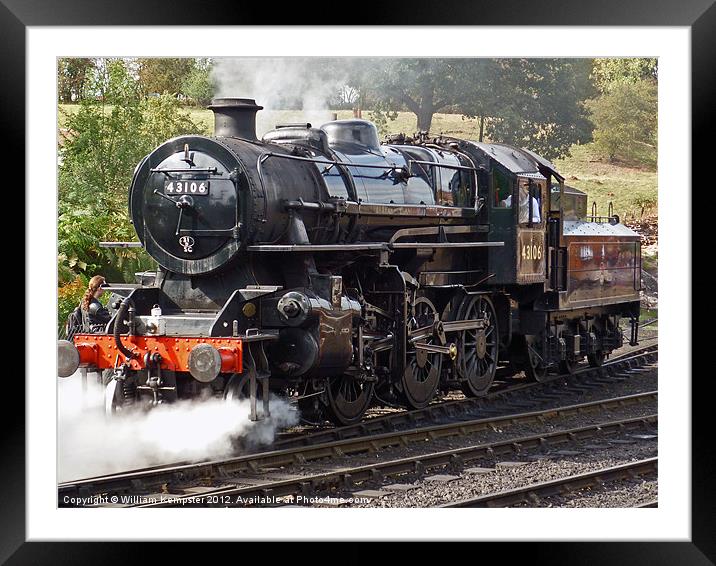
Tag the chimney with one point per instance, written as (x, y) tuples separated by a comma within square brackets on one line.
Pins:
[(235, 117)]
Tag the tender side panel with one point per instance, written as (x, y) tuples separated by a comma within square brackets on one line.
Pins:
[(606, 271)]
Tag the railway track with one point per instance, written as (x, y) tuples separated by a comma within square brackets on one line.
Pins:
[(399, 428), (253, 467), (533, 493), (323, 485), (504, 398)]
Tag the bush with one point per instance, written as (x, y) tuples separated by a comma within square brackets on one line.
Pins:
[(110, 133), (625, 120), (68, 297), (198, 85)]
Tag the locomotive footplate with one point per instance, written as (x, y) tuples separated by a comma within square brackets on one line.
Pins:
[(202, 357), (177, 353)]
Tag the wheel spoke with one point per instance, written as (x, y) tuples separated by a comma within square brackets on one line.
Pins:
[(419, 384)]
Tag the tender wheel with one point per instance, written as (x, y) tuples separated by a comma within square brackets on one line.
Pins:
[(348, 399), (477, 348), (422, 369), (534, 367), (596, 359)]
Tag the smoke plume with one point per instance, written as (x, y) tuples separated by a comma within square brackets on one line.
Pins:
[(307, 84), (92, 444)]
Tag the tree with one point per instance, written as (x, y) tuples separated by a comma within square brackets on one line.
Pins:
[(533, 103), (625, 120), (198, 84), (111, 134), (423, 86), (72, 75), (607, 73), (625, 112), (160, 75)]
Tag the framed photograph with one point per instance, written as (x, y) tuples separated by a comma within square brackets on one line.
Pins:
[(515, 149)]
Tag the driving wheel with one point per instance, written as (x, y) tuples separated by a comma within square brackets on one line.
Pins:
[(348, 398), (477, 347), (422, 368)]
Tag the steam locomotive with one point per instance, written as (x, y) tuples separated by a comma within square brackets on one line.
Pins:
[(322, 265)]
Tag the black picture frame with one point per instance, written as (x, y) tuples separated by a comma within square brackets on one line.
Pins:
[(699, 15)]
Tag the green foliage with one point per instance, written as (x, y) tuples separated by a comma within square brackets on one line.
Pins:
[(423, 86), (380, 115), (109, 135), (161, 75), (625, 120), (73, 74), (68, 297), (609, 72), (533, 103), (198, 85)]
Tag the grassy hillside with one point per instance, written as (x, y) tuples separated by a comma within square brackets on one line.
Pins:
[(631, 189)]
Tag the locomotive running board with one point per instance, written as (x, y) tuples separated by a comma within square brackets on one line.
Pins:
[(378, 246), (424, 245)]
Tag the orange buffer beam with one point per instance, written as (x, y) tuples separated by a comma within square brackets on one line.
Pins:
[(100, 351)]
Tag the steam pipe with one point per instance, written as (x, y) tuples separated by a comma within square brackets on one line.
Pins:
[(117, 338)]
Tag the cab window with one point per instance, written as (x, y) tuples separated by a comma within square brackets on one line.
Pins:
[(502, 188), (530, 196)]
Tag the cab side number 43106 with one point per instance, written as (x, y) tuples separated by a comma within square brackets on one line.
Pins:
[(532, 252)]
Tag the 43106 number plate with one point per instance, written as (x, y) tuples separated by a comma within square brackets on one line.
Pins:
[(186, 187)]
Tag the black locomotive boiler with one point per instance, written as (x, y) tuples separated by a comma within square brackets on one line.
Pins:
[(318, 264)]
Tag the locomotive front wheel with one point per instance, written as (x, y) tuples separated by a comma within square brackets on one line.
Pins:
[(422, 369), (113, 398), (238, 387), (477, 348), (348, 399)]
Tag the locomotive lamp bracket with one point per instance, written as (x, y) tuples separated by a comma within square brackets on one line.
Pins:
[(188, 157), (168, 172)]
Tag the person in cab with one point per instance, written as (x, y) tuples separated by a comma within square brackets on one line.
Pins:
[(524, 212)]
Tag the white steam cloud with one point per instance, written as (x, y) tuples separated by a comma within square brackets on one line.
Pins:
[(278, 83), (92, 444)]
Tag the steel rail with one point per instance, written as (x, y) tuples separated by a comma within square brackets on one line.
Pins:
[(458, 408), (380, 429), (531, 494), (253, 463), (346, 478)]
